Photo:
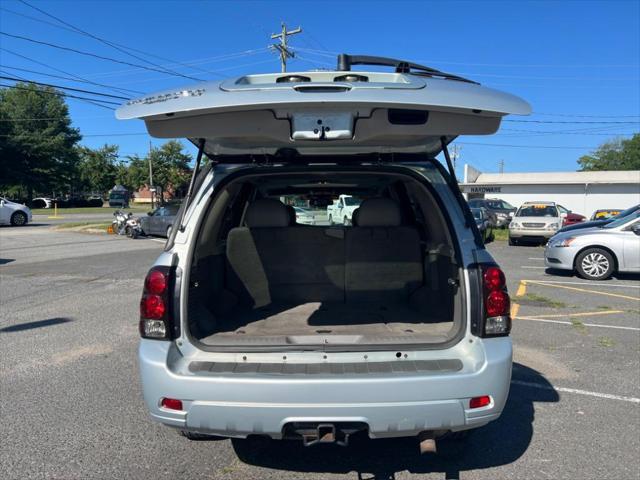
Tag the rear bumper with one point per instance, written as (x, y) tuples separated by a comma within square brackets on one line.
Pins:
[(392, 405), (531, 233)]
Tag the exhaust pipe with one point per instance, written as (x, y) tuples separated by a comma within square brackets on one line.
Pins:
[(427, 442)]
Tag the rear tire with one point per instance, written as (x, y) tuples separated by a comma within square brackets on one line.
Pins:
[(595, 264), (513, 242), (18, 219), (345, 221), (330, 220)]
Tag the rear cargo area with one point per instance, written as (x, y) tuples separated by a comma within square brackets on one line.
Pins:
[(264, 279)]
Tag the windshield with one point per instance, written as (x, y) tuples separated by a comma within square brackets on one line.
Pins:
[(116, 196), (621, 221), (628, 211), (499, 205), (537, 211), (351, 201)]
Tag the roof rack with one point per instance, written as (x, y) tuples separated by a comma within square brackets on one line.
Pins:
[(402, 66)]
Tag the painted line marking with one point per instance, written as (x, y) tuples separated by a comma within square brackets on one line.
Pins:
[(522, 288), (542, 283), (527, 266), (157, 240), (594, 284), (535, 258), (607, 396), (582, 314), (544, 320)]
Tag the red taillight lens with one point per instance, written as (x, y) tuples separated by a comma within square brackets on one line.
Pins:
[(152, 306), (156, 319), (156, 282), (497, 303), (171, 403), (479, 402), (493, 278)]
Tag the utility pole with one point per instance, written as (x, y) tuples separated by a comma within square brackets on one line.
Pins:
[(455, 155), (282, 48), (501, 166), (151, 189)]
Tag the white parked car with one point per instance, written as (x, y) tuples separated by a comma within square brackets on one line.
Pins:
[(397, 325), (42, 202), (342, 210), (12, 213), (596, 253), (535, 222)]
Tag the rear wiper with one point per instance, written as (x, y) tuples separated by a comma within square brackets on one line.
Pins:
[(402, 66)]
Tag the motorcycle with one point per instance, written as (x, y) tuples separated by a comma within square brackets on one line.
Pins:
[(119, 222), (132, 226), (126, 224)]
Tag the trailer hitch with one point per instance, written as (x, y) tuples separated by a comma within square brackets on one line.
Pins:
[(313, 433)]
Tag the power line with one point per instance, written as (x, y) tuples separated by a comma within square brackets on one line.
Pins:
[(62, 94), (80, 90), (100, 57), (110, 87), (543, 132), (575, 115), (574, 122), (99, 39), (172, 62), (526, 146)]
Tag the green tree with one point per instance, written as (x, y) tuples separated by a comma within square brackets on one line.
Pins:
[(37, 141), (617, 154), (98, 168), (170, 165)]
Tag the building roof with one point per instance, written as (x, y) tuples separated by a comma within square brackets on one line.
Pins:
[(529, 178)]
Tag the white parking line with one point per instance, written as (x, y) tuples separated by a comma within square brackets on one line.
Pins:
[(157, 240), (593, 284), (608, 396), (536, 258), (597, 325)]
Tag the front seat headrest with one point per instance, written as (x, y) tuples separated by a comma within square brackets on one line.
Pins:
[(379, 212), (267, 212)]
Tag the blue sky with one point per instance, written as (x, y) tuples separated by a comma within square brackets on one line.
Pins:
[(575, 62)]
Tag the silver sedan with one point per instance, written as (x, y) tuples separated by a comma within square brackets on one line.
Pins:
[(596, 253)]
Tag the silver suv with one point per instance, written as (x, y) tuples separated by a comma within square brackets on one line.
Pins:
[(253, 323)]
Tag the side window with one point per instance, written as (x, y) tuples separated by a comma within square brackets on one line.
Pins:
[(561, 209), (159, 212)]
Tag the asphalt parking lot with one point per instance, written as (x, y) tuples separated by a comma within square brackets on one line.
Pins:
[(71, 406)]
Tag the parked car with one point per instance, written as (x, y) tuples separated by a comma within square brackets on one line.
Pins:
[(605, 213), (484, 224), (499, 210), (596, 253), (252, 325), (342, 209), (42, 202), (534, 222), (569, 217), (601, 222), (304, 216), (159, 221), (12, 213)]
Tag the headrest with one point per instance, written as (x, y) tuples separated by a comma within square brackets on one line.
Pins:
[(379, 212), (267, 212)]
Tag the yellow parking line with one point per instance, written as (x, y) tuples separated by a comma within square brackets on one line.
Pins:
[(535, 282), (522, 288), (582, 314)]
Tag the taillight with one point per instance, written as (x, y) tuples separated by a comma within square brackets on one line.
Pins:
[(497, 306), (171, 403), (479, 402), (155, 311)]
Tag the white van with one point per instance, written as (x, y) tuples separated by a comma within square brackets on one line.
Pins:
[(395, 325)]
